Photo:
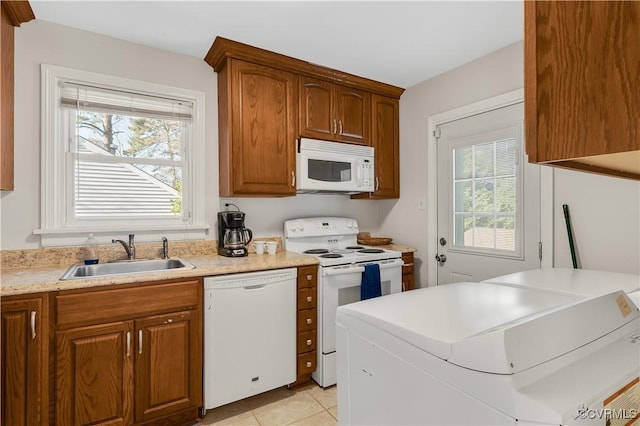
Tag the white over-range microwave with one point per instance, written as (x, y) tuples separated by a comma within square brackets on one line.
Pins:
[(333, 167)]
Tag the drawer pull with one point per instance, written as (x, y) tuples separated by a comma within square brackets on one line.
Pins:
[(309, 277), (140, 341), (33, 325), (128, 343), (309, 321), (309, 342), (308, 364), (309, 299)]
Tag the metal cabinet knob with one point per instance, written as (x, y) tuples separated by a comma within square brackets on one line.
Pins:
[(309, 342), (309, 277), (309, 298), (309, 320), (308, 364)]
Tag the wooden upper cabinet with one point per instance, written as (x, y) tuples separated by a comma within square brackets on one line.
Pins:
[(266, 101), (333, 112), (12, 14), (582, 103), (385, 138), (257, 130)]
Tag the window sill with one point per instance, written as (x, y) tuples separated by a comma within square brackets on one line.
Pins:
[(104, 235)]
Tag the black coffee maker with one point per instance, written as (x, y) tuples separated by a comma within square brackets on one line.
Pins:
[(233, 237)]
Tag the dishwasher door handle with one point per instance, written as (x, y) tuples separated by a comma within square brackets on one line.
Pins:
[(254, 287)]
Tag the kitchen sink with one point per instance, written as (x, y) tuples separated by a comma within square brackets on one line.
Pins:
[(125, 267)]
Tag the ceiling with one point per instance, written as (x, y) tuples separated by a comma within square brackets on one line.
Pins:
[(396, 42)]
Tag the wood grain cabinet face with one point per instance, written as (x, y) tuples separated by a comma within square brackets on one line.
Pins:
[(307, 318), (385, 138), (582, 103), (144, 368), (24, 361), (257, 122), (333, 112), (12, 14), (94, 375), (408, 271), (168, 375)]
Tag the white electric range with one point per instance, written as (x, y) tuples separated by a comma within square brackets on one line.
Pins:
[(333, 240)]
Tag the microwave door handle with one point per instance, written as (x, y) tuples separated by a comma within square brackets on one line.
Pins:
[(359, 174)]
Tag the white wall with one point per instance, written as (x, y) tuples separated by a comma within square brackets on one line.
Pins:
[(605, 219), (39, 42), (491, 75), (605, 211)]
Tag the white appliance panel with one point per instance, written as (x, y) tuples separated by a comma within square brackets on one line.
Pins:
[(249, 334), (371, 359)]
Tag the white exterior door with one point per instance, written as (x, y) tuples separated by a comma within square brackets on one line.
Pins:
[(488, 198)]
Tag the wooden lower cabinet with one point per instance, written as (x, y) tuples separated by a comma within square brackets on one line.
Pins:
[(94, 375), (24, 349), (142, 367), (408, 271), (168, 374), (307, 317)]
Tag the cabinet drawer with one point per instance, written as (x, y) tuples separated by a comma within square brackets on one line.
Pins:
[(307, 319), (306, 341), (307, 276), (125, 303), (307, 298), (306, 363)]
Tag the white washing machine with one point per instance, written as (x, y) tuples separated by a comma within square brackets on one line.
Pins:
[(488, 353)]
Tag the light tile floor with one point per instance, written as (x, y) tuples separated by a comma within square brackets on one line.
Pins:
[(307, 405)]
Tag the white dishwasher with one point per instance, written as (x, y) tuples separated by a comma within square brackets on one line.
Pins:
[(249, 334)]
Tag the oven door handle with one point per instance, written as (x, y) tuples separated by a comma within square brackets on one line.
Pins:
[(396, 263)]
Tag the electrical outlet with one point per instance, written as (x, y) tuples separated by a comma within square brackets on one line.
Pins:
[(224, 204)]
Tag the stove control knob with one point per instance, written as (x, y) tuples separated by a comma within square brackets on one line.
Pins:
[(300, 226)]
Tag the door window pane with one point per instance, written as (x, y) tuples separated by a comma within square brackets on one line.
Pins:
[(484, 191)]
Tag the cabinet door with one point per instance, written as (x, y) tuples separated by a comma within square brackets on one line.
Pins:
[(353, 112), (385, 138), (263, 135), (24, 361), (94, 375), (317, 119), (168, 364), (587, 104)]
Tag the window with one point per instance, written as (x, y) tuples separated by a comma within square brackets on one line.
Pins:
[(119, 156), (487, 194)]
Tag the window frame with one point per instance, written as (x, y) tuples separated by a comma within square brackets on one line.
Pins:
[(509, 132), (56, 165)]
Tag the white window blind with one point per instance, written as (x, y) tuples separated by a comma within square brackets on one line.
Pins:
[(97, 99)]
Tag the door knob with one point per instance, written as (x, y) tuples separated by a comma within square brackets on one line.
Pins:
[(441, 258)]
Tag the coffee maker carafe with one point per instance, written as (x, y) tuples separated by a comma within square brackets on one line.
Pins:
[(233, 237)]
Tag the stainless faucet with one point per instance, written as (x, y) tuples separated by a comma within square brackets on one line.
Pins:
[(129, 248), (165, 248)]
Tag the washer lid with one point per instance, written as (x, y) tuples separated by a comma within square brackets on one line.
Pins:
[(491, 327)]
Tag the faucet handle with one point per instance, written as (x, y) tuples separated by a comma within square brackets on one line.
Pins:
[(165, 248)]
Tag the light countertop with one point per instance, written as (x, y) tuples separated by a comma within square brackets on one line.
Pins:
[(15, 281)]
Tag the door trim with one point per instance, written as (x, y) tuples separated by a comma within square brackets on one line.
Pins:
[(546, 179)]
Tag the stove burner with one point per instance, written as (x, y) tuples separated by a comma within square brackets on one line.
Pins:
[(370, 250), (331, 255), (316, 251), (354, 248)]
